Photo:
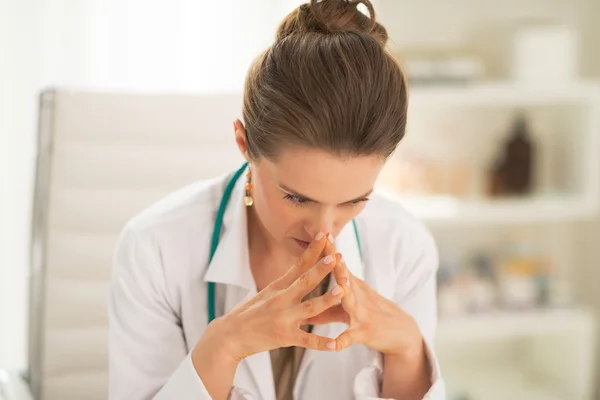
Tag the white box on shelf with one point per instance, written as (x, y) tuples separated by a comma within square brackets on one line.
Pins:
[(545, 54)]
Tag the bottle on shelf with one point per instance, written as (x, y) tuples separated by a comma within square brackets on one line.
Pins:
[(512, 174)]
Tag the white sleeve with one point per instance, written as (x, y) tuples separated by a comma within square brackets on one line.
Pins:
[(420, 302), (147, 353)]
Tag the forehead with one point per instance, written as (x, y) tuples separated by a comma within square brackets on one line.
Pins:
[(325, 177)]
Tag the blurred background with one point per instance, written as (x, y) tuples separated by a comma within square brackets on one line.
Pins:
[(119, 102)]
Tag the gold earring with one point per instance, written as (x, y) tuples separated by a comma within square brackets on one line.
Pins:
[(248, 200)]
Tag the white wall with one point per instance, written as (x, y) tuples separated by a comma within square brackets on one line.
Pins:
[(19, 72), (125, 45)]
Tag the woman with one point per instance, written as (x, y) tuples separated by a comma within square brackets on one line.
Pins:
[(288, 279)]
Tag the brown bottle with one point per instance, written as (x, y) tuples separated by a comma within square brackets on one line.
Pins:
[(518, 159)]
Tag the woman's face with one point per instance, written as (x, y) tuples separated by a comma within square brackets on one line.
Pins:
[(309, 191)]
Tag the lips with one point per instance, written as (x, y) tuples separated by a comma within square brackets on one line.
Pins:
[(302, 243)]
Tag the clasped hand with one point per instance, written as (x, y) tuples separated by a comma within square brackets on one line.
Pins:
[(273, 318)]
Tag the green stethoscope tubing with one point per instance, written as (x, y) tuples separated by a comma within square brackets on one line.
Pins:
[(216, 235)]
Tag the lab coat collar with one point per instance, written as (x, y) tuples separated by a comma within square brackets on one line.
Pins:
[(231, 262)]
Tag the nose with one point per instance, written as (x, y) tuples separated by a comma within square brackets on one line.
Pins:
[(324, 221)]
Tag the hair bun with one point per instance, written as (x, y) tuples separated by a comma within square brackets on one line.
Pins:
[(332, 16)]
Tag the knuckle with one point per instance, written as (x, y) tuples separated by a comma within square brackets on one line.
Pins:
[(297, 267), (318, 343), (274, 299), (304, 281), (305, 340), (303, 259), (308, 307)]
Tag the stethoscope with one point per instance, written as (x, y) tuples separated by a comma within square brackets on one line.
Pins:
[(216, 235)]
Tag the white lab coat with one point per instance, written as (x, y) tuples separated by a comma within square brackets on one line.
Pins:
[(158, 301)]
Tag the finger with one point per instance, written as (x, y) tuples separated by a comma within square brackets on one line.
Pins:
[(313, 277), (347, 338), (344, 275), (332, 314), (312, 341), (310, 256), (341, 273), (316, 305), (329, 245)]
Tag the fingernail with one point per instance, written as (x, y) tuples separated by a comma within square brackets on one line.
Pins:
[(319, 236), (329, 259), (336, 290), (348, 282), (330, 345), (330, 237), (342, 259)]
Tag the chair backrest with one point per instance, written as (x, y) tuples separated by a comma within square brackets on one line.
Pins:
[(102, 158)]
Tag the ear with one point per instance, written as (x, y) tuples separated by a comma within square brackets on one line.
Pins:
[(240, 138)]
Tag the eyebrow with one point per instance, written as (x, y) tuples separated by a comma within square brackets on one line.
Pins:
[(295, 193)]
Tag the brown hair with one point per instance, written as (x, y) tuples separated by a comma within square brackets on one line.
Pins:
[(328, 83)]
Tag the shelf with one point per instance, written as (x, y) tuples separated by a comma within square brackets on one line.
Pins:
[(450, 210), (512, 325), (535, 354), (499, 382), (501, 94)]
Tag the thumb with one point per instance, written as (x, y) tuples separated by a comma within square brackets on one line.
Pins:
[(347, 338), (332, 314)]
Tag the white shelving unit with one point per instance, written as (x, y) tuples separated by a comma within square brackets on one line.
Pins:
[(530, 355), (506, 325), (449, 210)]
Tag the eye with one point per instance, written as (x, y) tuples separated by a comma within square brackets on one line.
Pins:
[(296, 200), (357, 202)]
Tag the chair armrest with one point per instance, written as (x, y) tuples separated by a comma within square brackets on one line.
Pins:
[(13, 387)]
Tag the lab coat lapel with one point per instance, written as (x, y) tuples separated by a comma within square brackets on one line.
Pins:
[(346, 244), (258, 366), (230, 267), (230, 264)]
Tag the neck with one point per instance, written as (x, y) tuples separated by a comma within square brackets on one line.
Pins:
[(259, 238), (268, 261)]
